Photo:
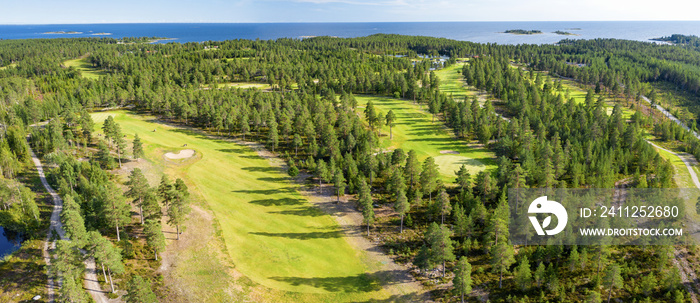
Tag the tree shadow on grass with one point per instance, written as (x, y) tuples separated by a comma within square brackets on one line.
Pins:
[(278, 202), (261, 169), (364, 282), (288, 189), (360, 283), (301, 211), (303, 236), (232, 150)]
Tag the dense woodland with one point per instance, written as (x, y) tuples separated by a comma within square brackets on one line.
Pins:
[(309, 117)]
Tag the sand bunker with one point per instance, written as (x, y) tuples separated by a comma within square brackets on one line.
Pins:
[(183, 154), (451, 152)]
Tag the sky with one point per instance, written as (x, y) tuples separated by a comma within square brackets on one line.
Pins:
[(239, 11)]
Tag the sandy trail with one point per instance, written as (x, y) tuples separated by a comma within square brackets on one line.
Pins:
[(688, 276), (91, 284)]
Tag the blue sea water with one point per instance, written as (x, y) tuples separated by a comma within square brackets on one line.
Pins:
[(485, 32)]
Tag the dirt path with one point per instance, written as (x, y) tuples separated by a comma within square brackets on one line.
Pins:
[(688, 276), (91, 284)]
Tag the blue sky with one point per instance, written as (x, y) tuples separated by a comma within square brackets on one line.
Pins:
[(131, 11)]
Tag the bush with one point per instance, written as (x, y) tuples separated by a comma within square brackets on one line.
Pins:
[(293, 171)]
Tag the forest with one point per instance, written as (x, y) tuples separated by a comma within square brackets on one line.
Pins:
[(452, 234)]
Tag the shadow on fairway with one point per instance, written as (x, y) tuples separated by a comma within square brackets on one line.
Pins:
[(303, 236), (364, 282), (301, 211), (279, 202)]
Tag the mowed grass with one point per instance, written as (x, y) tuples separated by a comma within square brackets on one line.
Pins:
[(242, 85), (452, 81), (414, 130), (273, 235), (85, 68)]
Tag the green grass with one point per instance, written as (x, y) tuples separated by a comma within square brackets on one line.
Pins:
[(8, 66), (86, 70), (273, 235), (243, 85), (414, 130), (452, 81)]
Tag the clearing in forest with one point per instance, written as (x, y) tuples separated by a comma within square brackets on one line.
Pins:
[(85, 68), (416, 130), (274, 236)]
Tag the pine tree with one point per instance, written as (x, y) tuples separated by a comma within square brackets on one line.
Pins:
[(412, 169), (501, 259), (443, 201), (115, 210), (401, 205), (462, 281), (523, 275), (463, 177), (390, 122), (573, 258), (441, 249), (178, 207), (139, 291), (339, 182), (73, 222), (539, 274), (138, 187), (429, 177), (154, 237), (365, 201), (137, 148), (613, 279)]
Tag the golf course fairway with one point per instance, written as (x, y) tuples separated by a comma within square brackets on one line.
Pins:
[(273, 235)]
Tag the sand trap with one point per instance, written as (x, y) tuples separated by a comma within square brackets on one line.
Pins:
[(183, 154), (451, 152)]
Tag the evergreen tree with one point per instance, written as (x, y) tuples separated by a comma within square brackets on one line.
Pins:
[(613, 279), (401, 205), (443, 201), (501, 259), (429, 177), (179, 206), (365, 202), (441, 249), (138, 291), (137, 148), (390, 122), (462, 281), (154, 237), (138, 187), (539, 274), (523, 275)]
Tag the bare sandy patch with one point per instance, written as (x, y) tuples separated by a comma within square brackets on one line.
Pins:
[(183, 154), (451, 152)]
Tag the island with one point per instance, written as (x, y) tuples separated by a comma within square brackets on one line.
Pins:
[(523, 32), (101, 34), (574, 29), (565, 33)]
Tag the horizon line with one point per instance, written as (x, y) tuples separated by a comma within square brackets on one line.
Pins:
[(339, 22)]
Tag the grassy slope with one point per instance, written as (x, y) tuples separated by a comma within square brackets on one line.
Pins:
[(273, 235), (86, 70), (414, 130), (451, 82)]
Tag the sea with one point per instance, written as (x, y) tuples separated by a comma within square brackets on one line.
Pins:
[(482, 32)]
